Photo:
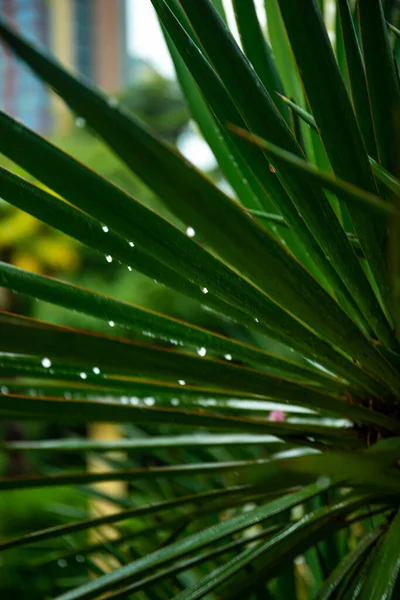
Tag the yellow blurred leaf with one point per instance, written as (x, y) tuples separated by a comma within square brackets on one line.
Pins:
[(25, 260), (57, 253), (17, 227)]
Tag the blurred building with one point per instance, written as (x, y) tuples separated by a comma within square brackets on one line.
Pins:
[(87, 36)]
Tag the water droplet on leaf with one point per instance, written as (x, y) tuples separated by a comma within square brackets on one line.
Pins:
[(80, 122), (323, 481), (80, 558), (113, 101)]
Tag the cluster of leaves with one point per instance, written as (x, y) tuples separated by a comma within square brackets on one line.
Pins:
[(30, 244), (300, 266)]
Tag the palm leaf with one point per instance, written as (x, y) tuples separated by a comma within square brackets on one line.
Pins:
[(257, 451)]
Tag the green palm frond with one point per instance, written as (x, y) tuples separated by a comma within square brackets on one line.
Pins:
[(260, 456)]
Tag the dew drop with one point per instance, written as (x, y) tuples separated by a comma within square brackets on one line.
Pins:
[(80, 558), (202, 351), (96, 370), (149, 401), (4, 389), (256, 320), (105, 229), (323, 481), (204, 290), (175, 402), (109, 258), (83, 375), (111, 323), (134, 400), (62, 563), (124, 399), (113, 101), (46, 362), (129, 268), (228, 356), (67, 395), (181, 382), (132, 245), (80, 122), (190, 232)]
